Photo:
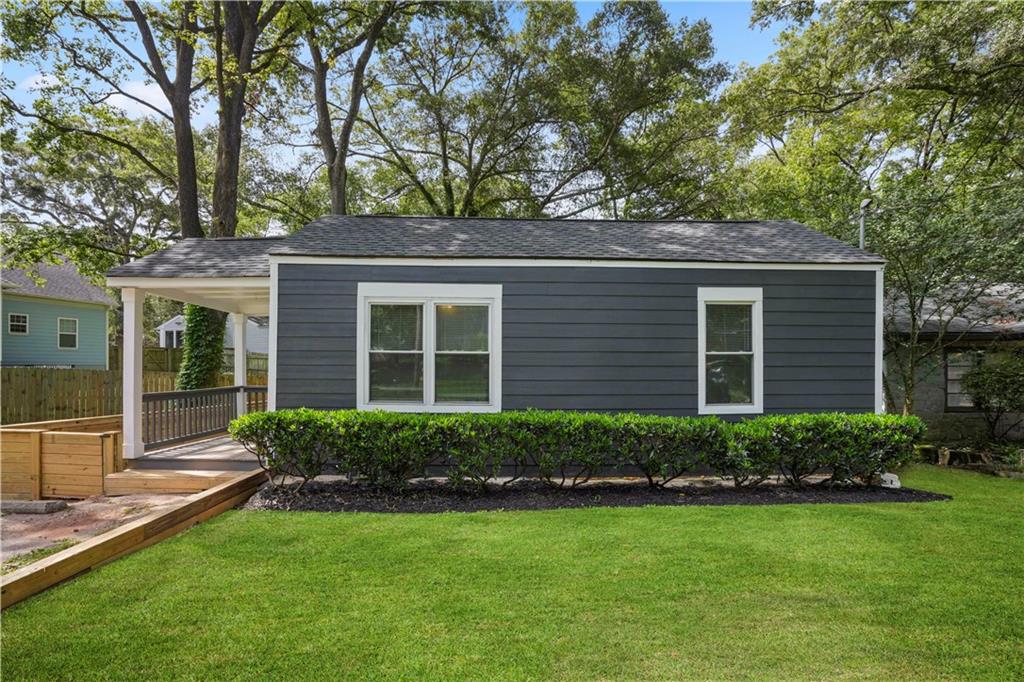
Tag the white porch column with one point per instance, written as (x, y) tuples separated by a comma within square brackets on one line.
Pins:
[(131, 372), (238, 321)]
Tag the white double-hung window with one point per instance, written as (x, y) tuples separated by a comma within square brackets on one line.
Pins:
[(730, 350), (67, 333), (428, 347)]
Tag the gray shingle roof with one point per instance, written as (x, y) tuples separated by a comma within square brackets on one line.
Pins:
[(999, 313), (433, 237), (222, 257), (61, 282)]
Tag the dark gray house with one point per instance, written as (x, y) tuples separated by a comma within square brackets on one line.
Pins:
[(475, 314)]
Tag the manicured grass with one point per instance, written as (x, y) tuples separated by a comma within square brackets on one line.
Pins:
[(884, 591)]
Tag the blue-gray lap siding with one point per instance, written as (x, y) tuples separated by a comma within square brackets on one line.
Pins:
[(609, 339)]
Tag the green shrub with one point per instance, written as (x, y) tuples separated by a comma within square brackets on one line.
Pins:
[(997, 389), (753, 454), (664, 448), (489, 444), (296, 443), (568, 448), (866, 445), (388, 449)]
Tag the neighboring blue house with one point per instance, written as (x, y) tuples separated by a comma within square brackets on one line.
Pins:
[(60, 321)]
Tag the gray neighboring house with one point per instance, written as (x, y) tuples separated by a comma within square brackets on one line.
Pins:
[(474, 314), (992, 327)]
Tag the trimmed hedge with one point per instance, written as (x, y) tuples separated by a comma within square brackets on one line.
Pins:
[(568, 448)]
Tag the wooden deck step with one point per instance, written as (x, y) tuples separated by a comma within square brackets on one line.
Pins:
[(154, 481)]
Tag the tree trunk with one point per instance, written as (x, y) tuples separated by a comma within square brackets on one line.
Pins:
[(188, 190), (335, 152), (229, 152)]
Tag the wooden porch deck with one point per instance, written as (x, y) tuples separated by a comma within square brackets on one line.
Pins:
[(187, 468), (218, 452)]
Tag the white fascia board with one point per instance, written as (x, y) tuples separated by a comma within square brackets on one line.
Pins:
[(879, 342), (568, 263), (156, 283)]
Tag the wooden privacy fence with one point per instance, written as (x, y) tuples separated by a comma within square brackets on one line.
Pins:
[(153, 359), (29, 394), (64, 458), (169, 360)]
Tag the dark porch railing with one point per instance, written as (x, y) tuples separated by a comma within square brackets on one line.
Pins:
[(176, 416)]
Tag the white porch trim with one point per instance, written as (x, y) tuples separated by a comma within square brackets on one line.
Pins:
[(241, 367), (567, 263), (272, 342), (131, 372), (879, 341)]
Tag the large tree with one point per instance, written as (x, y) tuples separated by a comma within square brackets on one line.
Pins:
[(474, 114), (918, 106), (87, 54)]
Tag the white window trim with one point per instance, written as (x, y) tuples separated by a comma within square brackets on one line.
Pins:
[(428, 295), (752, 296), (9, 322), (60, 347)]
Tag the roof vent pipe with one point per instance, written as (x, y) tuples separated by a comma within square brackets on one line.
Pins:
[(863, 211)]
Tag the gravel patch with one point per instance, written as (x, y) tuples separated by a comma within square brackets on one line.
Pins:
[(434, 497)]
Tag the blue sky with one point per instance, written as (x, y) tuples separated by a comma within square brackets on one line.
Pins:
[(734, 41)]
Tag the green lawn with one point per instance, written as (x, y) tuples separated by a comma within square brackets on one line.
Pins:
[(890, 591)]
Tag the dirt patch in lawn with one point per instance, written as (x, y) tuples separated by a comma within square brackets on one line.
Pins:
[(24, 533), (433, 497)]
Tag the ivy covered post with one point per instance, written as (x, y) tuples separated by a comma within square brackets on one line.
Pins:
[(203, 348)]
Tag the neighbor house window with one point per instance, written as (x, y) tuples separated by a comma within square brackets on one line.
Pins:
[(17, 323), (67, 333), (429, 347), (730, 351), (172, 339), (958, 364)]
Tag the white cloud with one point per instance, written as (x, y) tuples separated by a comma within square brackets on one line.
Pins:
[(147, 92), (37, 81)]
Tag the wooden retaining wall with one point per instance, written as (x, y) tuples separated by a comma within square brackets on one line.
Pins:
[(130, 537), (64, 458)]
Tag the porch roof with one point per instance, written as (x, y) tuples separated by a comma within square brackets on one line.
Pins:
[(229, 274), (217, 257)]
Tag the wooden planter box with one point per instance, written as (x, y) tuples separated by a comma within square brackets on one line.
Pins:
[(64, 458)]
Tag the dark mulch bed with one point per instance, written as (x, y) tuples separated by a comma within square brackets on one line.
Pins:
[(433, 497)]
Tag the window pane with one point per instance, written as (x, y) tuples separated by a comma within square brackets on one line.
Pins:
[(396, 377), (461, 378), (461, 327), (958, 400), (67, 340), (67, 326), (396, 327), (729, 379), (729, 328)]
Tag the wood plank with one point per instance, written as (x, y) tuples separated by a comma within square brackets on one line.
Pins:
[(71, 438), (18, 466), (73, 457), (163, 481), (84, 450), (66, 469), (73, 492), (133, 536)]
